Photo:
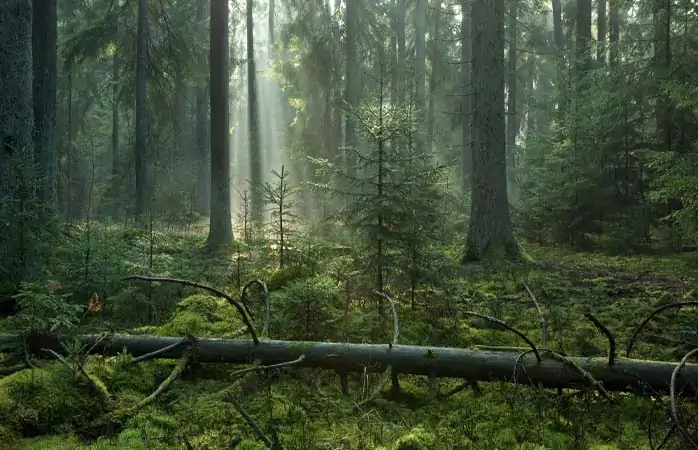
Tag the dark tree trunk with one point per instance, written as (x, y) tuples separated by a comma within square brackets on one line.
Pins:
[(45, 71), (141, 109), (203, 144), (16, 140), (490, 233), (221, 228)]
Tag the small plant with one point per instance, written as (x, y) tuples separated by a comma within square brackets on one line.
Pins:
[(278, 195), (44, 308)]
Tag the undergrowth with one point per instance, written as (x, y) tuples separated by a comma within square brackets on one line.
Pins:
[(322, 294)]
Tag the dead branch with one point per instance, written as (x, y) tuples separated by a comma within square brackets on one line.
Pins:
[(674, 404), (644, 323), (541, 316), (611, 341), (267, 303), (508, 327), (233, 302)]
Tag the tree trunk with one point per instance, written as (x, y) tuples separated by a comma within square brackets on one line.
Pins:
[(601, 31), (255, 144), (203, 145), (420, 72), (512, 123), (352, 91), (141, 108), (220, 222), (490, 233), (45, 71), (614, 35), (467, 69), (435, 78), (632, 375), (16, 140)]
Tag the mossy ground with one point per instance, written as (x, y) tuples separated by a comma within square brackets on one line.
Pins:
[(321, 297)]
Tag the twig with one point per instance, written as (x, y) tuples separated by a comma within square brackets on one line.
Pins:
[(388, 374), (153, 355), (644, 323), (236, 304), (250, 421), (543, 323), (267, 318), (611, 341), (673, 402), (272, 366), (508, 327)]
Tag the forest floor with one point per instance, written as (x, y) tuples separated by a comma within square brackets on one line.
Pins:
[(323, 295)]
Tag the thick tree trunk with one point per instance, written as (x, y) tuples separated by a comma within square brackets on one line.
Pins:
[(490, 233), (45, 68), (202, 156), (220, 222), (623, 375), (16, 140), (352, 92)]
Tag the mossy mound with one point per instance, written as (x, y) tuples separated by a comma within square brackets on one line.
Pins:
[(47, 400), (203, 315)]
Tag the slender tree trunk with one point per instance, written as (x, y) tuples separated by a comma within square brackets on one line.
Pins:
[(115, 116), (45, 71), (220, 222), (141, 109), (512, 124), (257, 203), (435, 77), (614, 35), (352, 91), (420, 72), (601, 31), (466, 68), (490, 233), (203, 144)]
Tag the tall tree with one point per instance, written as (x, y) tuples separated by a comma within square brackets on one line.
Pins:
[(352, 90), (45, 70), (253, 122), (420, 22), (16, 140), (141, 107), (467, 101), (490, 233), (512, 123), (220, 222), (203, 147), (436, 76)]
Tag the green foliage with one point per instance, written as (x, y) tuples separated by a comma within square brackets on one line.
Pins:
[(43, 308)]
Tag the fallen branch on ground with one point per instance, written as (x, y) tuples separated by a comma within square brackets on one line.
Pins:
[(624, 375)]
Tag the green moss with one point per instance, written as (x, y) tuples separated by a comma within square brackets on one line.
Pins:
[(417, 439), (41, 401)]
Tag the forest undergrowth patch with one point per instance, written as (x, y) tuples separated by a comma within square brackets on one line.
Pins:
[(311, 299)]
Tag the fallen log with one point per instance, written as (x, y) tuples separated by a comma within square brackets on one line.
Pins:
[(630, 375)]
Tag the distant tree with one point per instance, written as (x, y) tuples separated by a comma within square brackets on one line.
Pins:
[(221, 227), (253, 122), (490, 232), (141, 107), (203, 144)]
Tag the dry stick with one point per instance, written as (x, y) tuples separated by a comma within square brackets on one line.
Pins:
[(152, 355), (644, 323), (611, 341), (508, 327), (267, 318), (271, 366), (233, 302), (672, 398), (388, 371), (543, 323)]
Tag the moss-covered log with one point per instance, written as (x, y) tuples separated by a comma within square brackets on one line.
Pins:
[(624, 375)]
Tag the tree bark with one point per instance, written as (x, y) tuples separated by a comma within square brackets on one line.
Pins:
[(45, 68), (467, 68), (220, 221), (490, 232), (16, 140), (629, 375), (203, 145), (255, 143), (141, 108)]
